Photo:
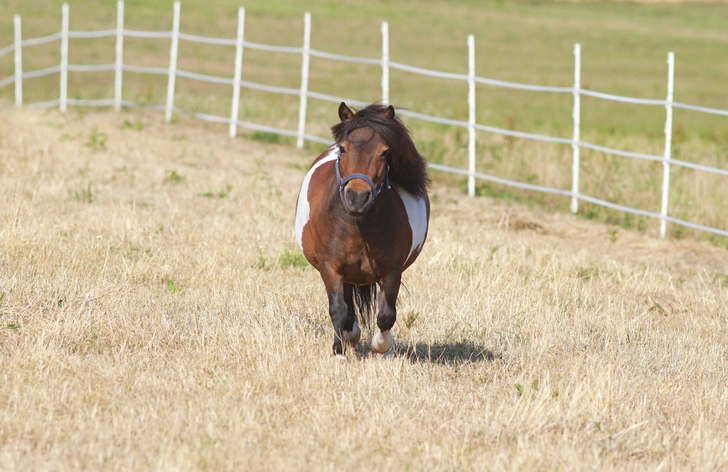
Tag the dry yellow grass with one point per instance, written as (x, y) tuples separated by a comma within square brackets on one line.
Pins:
[(526, 340)]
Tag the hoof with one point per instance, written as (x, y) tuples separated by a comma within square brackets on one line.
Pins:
[(382, 342), (352, 337), (385, 355), (339, 357)]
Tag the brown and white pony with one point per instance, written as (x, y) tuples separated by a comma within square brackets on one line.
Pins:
[(361, 220)]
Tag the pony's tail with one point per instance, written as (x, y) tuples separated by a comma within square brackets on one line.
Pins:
[(365, 297)]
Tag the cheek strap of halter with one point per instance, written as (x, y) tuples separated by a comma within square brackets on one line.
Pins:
[(375, 190)]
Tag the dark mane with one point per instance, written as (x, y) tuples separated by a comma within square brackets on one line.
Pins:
[(407, 168)]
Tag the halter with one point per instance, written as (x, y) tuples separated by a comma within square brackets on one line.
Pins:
[(345, 180)]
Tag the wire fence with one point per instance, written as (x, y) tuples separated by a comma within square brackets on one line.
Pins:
[(172, 72)]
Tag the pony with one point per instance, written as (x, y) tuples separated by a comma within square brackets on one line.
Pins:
[(362, 216)]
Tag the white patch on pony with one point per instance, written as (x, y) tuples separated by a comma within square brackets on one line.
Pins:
[(417, 215), (303, 209), (340, 357), (352, 337), (382, 343)]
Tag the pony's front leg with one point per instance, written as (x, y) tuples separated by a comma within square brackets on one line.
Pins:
[(341, 311), (383, 341)]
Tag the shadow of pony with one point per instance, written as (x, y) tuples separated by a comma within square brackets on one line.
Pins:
[(462, 352)]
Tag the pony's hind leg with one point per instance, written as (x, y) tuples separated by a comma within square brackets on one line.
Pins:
[(383, 341), (351, 333), (341, 311)]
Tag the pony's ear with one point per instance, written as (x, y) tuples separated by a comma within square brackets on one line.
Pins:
[(345, 112), (389, 112)]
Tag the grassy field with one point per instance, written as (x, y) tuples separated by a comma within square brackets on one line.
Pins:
[(624, 52), (155, 314), (624, 47)]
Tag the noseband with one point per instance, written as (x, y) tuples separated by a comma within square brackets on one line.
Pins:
[(375, 190)]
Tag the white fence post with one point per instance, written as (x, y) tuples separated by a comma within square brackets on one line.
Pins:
[(18, 63), (668, 142), (172, 64), (238, 73), (304, 79), (576, 116), (64, 59), (385, 62), (471, 115), (119, 54)]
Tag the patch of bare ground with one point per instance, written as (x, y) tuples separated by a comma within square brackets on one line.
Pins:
[(155, 314)]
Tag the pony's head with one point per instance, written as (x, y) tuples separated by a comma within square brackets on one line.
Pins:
[(374, 147)]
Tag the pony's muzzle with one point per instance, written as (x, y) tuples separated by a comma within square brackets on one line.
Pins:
[(357, 202)]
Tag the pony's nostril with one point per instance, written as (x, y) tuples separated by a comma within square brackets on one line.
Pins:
[(350, 195)]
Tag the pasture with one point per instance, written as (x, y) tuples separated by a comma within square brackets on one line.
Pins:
[(156, 314), (624, 47)]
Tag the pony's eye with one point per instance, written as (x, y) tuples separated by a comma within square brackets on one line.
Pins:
[(342, 150), (386, 154)]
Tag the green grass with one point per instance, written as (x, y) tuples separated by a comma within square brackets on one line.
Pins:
[(173, 177), (292, 259), (171, 287), (96, 139), (624, 50), (266, 137)]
